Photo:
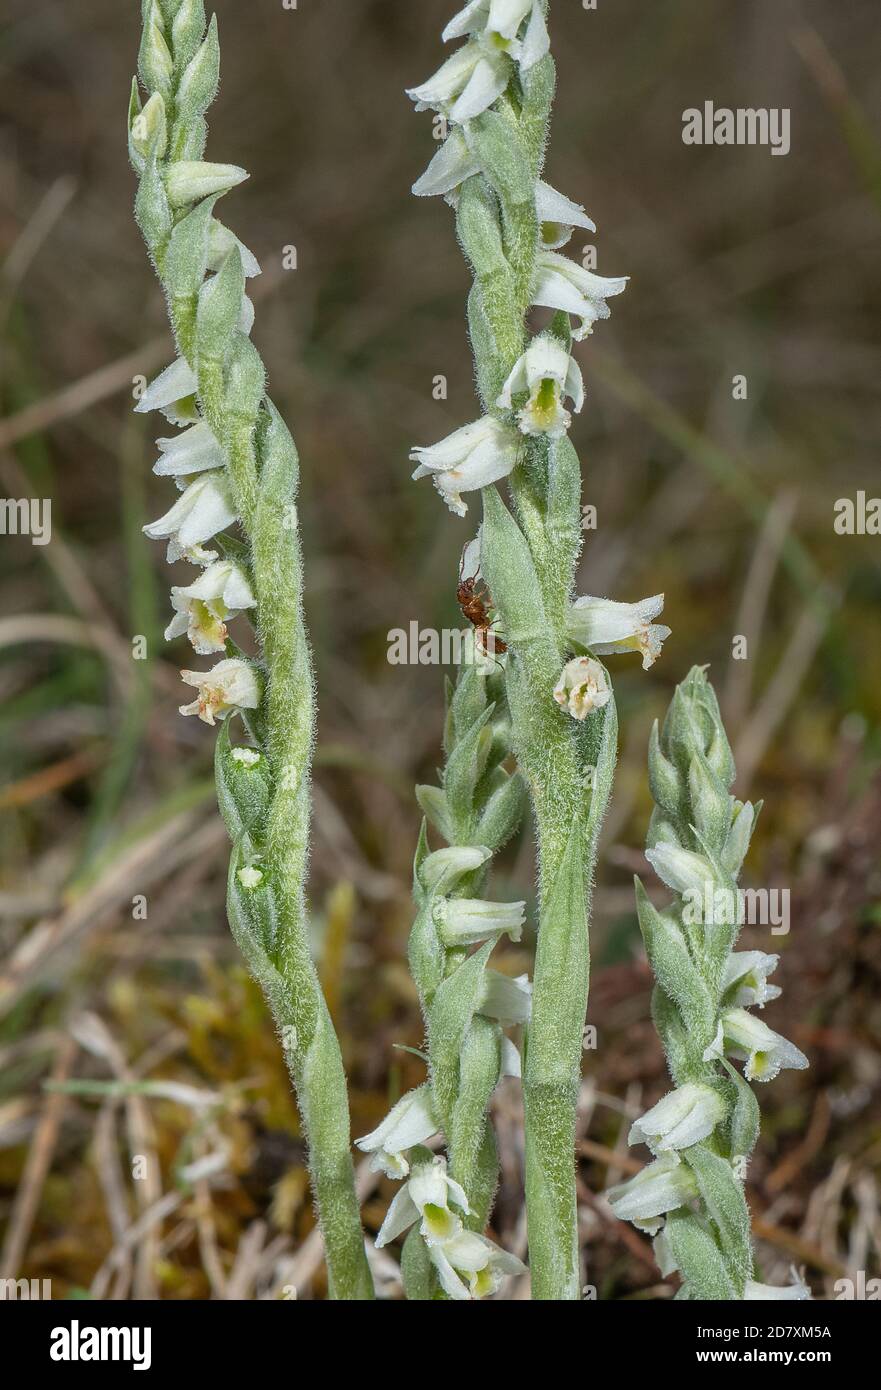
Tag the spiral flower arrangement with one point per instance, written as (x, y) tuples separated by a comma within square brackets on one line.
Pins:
[(492, 100), (235, 466), (531, 720), (691, 1196)]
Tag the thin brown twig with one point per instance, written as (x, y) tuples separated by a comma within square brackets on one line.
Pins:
[(782, 690), (754, 604), (83, 394), (150, 859), (39, 1160)]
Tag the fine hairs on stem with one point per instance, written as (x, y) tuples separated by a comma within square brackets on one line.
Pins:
[(235, 465), (549, 700), (531, 721)]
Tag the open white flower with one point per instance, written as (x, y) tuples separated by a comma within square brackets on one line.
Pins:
[(499, 22), (745, 980), (196, 450), (558, 216), (451, 166), (582, 688), (548, 372), (408, 1123), (172, 392), (466, 84), (681, 869), (426, 1198), (765, 1052), (205, 508), (662, 1186), (507, 1000), (612, 628), (231, 684), (563, 284), (203, 608), (471, 457), (465, 921), (796, 1292), (473, 1258), (681, 1118)]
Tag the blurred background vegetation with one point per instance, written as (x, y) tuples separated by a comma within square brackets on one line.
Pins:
[(149, 1146)]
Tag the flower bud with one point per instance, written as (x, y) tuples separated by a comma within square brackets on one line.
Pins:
[(188, 180)]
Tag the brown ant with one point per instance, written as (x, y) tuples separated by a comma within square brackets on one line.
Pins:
[(475, 602)]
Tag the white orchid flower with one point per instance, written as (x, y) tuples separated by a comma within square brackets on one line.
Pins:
[(203, 608), (681, 1118), (558, 216), (498, 22), (172, 392), (231, 684), (465, 921), (471, 457), (204, 509), (765, 1052), (681, 869), (451, 166), (796, 1292), (505, 999), (408, 1123), (426, 1198), (582, 687), (196, 450), (662, 1186), (610, 628), (548, 372), (473, 1258), (745, 981), (563, 284), (466, 84)]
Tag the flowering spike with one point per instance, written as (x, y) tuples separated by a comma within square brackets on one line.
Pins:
[(496, 91), (691, 1198), (236, 464)]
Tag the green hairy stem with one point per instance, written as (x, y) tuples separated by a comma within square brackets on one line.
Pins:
[(529, 560), (263, 784)]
